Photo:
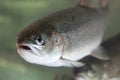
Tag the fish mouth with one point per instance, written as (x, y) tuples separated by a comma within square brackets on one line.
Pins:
[(32, 48), (22, 46)]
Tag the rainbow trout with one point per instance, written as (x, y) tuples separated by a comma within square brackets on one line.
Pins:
[(63, 38)]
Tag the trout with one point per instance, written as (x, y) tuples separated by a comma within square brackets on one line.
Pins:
[(63, 38)]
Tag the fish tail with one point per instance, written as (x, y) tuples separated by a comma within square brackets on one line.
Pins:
[(85, 3)]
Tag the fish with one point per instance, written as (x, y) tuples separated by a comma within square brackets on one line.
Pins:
[(63, 38)]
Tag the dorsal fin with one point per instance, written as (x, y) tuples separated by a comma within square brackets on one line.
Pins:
[(85, 3), (104, 3), (89, 3)]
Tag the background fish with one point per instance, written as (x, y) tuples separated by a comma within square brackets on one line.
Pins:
[(63, 38)]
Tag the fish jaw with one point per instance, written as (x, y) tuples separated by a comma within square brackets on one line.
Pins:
[(36, 56), (52, 60)]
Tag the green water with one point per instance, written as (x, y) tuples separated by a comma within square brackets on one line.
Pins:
[(15, 15)]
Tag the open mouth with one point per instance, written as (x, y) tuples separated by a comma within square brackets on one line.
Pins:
[(23, 47)]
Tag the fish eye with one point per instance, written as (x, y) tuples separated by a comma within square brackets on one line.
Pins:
[(39, 40)]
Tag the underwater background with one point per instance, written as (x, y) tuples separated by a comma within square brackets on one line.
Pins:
[(15, 15)]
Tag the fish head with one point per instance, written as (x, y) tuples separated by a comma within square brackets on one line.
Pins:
[(40, 43)]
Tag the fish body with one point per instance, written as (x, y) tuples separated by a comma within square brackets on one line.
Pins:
[(64, 37)]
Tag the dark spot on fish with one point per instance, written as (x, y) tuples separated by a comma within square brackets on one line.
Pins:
[(73, 18)]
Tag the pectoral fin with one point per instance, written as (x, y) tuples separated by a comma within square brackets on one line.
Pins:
[(100, 54), (65, 63), (69, 63)]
